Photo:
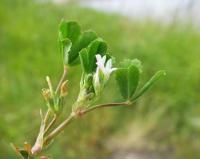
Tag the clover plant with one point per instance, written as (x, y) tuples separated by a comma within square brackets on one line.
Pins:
[(87, 49)]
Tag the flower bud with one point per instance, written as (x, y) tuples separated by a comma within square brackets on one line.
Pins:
[(46, 94), (63, 89)]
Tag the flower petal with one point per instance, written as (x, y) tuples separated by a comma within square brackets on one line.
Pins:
[(98, 57), (104, 59), (109, 64)]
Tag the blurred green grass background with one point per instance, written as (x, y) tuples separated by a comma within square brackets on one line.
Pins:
[(168, 115)]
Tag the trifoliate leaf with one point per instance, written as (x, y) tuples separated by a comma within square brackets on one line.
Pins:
[(69, 33), (149, 83), (84, 60), (84, 40), (133, 80), (122, 81), (70, 30), (127, 62), (72, 41), (127, 80)]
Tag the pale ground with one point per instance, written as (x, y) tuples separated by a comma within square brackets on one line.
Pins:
[(139, 154), (132, 142)]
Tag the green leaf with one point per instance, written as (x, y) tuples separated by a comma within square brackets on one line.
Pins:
[(122, 81), (127, 62), (84, 60), (70, 30), (69, 33), (127, 80), (98, 46), (87, 55), (133, 80), (128, 77), (65, 49), (83, 41), (149, 83)]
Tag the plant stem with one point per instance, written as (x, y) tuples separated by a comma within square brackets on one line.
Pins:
[(105, 105), (51, 123), (62, 79), (55, 116), (60, 128), (47, 116)]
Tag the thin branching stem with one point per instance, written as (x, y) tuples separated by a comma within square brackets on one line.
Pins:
[(105, 105), (61, 127), (47, 116), (51, 123), (62, 79)]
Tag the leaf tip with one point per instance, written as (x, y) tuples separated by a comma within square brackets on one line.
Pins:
[(162, 73)]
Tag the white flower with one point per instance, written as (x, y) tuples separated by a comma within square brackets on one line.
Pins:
[(103, 72), (105, 67)]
